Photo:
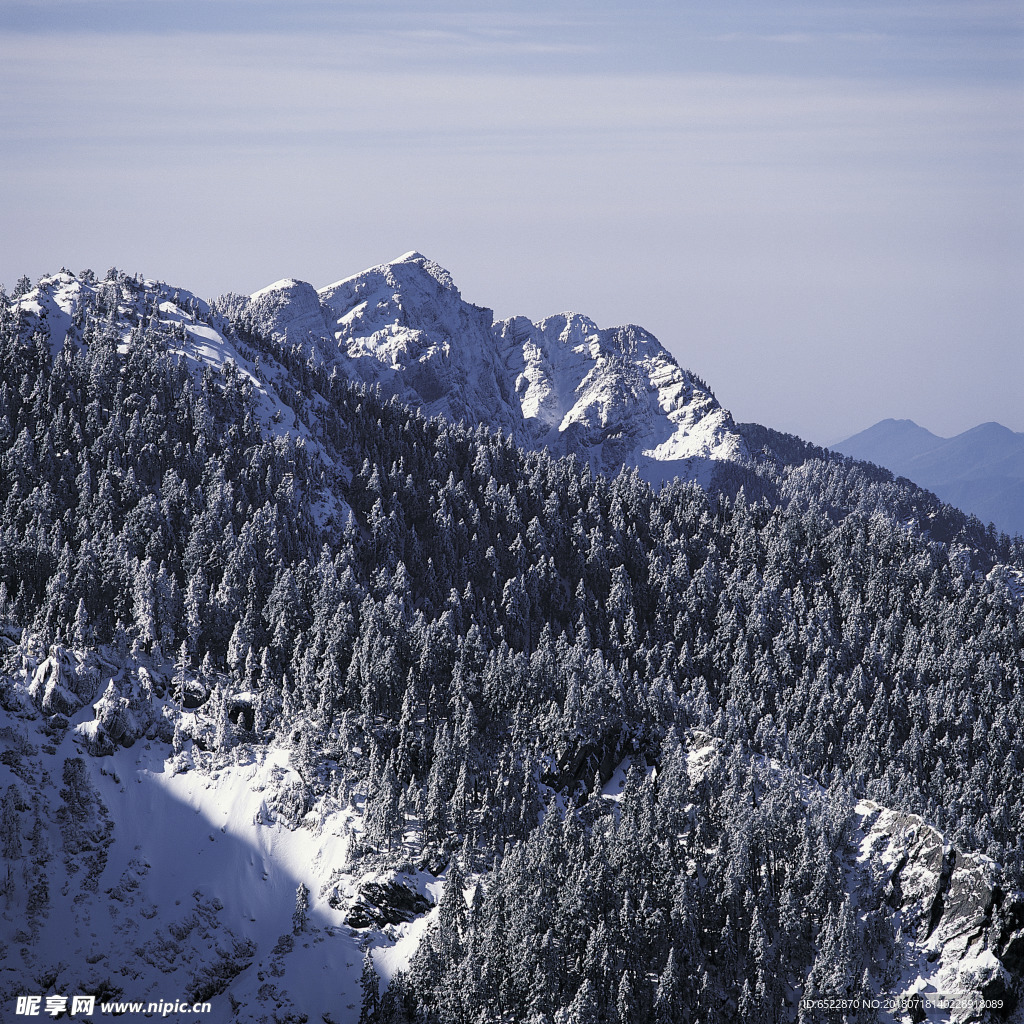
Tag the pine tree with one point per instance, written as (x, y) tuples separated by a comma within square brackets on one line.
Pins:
[(669, 994), (180, 666), (369, 984), (584, 1007), (80, 631), (11, 824), (451, 912), (625, 1002), (78, 794), (300, 914)]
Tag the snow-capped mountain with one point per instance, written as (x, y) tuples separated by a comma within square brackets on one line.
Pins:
[(299, 689), (980, 470), (611, 396)]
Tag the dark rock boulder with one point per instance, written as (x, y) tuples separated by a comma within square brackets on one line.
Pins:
[(382, 903)]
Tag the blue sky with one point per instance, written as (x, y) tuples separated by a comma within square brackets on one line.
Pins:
[(818, 208)]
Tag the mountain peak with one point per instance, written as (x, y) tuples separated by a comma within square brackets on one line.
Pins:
[(993, 430), (903, 438), (612, 396), (286, 284), (401, 283)]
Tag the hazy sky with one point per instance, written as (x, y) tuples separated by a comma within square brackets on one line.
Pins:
[(818, 207)]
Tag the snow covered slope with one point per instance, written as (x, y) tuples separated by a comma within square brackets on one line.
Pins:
[(144, 875), (137, 873), (611, 396), (69, 309)]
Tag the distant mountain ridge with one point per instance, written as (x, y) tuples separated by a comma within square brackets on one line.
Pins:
[(980, 470)]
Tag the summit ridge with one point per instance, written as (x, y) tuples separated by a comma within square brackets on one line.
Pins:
[(611, 396)]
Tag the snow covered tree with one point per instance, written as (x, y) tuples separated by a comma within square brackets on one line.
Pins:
[(301, 912), (10, 821), (369, 984)]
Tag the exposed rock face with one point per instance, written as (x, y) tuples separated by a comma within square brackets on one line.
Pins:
[(961, 932), (405, 325), (615, 396), (126, 711), (957, 950), (382, 903)]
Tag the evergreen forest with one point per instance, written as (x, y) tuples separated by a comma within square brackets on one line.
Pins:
[(466, 640)]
